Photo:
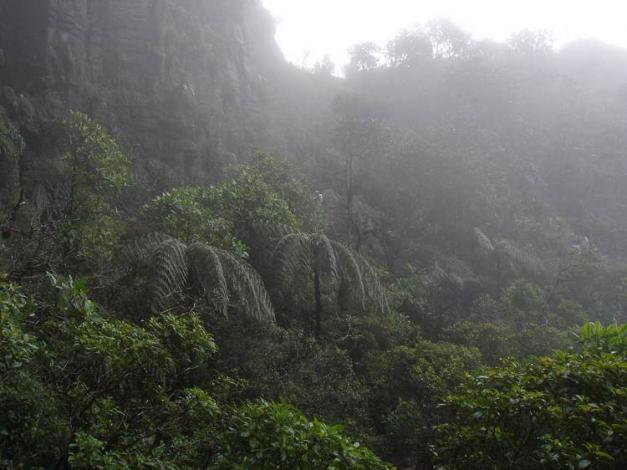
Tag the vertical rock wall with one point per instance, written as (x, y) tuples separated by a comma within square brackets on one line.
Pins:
[(184, 81)]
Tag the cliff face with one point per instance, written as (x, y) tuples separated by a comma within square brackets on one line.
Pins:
[(186, 81)]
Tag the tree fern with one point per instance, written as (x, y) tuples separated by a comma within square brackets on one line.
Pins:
[(449, 280), (206, 265), (315, 255), (351, 272), (299, 252), (507, 257), (168, 273), (519, 259), (484, 242), (361, 278), (247, 285), (169, 265)]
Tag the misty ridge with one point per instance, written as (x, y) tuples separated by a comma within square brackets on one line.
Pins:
[(213, 258)]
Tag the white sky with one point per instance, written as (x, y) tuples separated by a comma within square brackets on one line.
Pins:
[(314, 28)]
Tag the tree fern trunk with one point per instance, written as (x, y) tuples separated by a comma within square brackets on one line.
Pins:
[(349, 200), (498, 276), (318, 299)]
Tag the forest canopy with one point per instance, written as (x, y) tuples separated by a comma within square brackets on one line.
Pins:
[(425, 266)]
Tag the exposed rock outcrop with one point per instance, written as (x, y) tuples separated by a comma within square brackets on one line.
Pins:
[(182, 81)]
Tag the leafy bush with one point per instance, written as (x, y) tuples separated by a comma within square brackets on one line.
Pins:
[(93, 174), (563, 411), (30, 421), (406, 386), (187, 214), (276, 436), (497, 341), (611, 339)]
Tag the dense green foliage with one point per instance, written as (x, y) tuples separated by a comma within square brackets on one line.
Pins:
[(564, 411), (93, 172), (412, 291), (93, 391), (84, 387), (270, 436), (206, 300)]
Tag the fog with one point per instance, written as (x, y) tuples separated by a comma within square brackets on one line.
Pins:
[(307, 31), (217, 252)]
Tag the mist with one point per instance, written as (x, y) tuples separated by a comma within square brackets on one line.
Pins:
[(305, 235), (352, 22)]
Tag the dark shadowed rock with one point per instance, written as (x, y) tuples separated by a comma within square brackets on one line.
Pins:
[(182, 81)]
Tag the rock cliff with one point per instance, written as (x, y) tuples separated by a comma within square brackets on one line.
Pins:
[(184, 81)]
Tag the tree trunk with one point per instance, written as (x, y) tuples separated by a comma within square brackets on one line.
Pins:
[(498, 276), (318, 299), (349, 200)]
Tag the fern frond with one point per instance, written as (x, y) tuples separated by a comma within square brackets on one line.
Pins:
[(206, 266), (249, 286), (445, 279), (324, 255), (168, 272), (350, 272), (168, 265), (292, 255), (138, 252), (520, 258), (460, 272), (300, 253), (358, 273), (484, 242), (374, 289)]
